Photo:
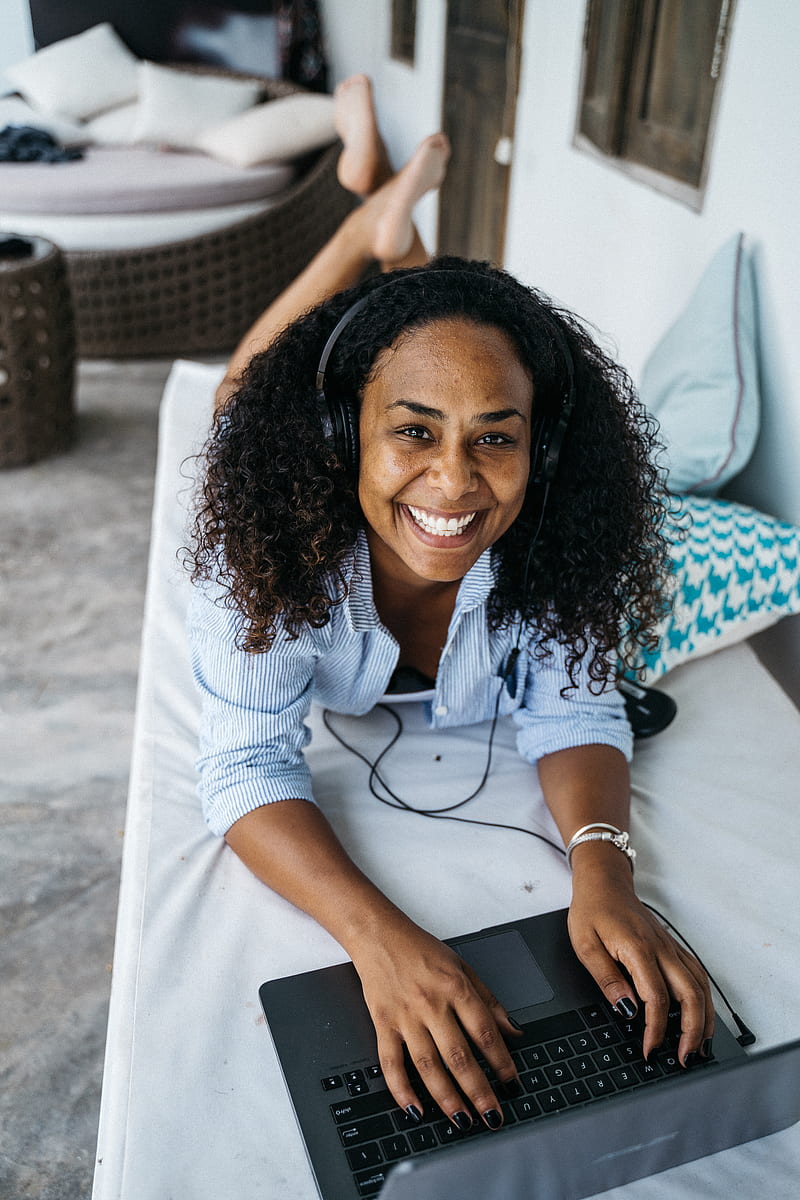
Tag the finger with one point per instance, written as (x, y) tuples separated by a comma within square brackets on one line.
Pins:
[(393, 1067), (488, 1035), (689, 985), (612, 981), (442, 1063)]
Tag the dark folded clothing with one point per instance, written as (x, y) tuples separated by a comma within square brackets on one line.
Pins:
[(24, 143)]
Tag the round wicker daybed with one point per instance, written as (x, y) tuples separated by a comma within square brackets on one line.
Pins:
[(199, 294)]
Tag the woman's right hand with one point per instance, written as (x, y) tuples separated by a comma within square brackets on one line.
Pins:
[(424, 998)]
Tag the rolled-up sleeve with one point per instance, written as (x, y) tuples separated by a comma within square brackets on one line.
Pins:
[(254, 708), (549, 721)]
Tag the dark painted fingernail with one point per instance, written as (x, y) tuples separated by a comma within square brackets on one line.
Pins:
[(414, 1113), (516, 1025), (626, 1008), (692, 1059), (462, 1120), (512, 1088), (708, 1048), (493, 1118)]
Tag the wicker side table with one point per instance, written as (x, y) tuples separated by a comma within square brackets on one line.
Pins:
[(37, 352)]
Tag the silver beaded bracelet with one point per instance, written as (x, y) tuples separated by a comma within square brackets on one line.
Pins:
[(600, 832)]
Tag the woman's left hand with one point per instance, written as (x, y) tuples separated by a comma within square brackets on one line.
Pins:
[(611, 929)]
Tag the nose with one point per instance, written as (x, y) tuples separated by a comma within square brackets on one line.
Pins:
[(451, 472)]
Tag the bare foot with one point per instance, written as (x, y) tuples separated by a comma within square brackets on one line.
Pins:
[(392, 207), (363, 164)]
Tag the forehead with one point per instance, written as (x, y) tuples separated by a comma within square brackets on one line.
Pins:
[(455, 359)]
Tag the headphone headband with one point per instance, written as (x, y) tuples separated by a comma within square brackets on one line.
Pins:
[(339, 418)]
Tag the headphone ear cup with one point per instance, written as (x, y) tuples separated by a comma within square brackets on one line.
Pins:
[(339, 420), (347, 420), (539, 456)]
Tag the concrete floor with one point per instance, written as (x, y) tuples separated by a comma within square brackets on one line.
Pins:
[(73, 553)]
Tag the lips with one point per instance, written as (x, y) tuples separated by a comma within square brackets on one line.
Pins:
[(438, 524)]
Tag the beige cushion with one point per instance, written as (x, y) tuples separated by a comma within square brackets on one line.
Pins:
[(277, 131), (115, 127), (175, 106), (79, 76)]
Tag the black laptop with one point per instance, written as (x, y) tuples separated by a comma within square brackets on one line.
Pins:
[(593, 1114)]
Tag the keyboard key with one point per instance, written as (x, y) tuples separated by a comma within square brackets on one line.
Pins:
[(608, 1036), (362, 1106), (373, 1072), (648, 1070), (369, 1183), (367, 1130), (582, 1042), (358, 1089), (364, 1156), (534, 1081), (559, 1050), (603, 1059), (536, 1056), (447, 1132), (595, 1014), (549, 1028), (422, 1139), (404, 1121), (395, 1147), (576, 1092), (668, 1061), (354, 1076), (331, 1082), (526, 1108), (630, 1052), (631, 1030), (582, 1066), (624, 1077), (600, 1085), (558, 1073), (551, 1101)]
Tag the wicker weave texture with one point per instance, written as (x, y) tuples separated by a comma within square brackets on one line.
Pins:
[(200, 295), (37, 356)]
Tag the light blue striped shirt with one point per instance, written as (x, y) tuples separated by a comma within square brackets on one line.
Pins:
[(253, 729)]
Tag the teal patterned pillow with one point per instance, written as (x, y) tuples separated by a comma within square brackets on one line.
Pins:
[(736, 572)]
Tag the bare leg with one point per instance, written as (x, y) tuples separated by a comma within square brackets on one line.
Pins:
[(364, 164), (380, 229)]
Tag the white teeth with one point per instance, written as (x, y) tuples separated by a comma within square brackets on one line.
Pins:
[(441, 526)]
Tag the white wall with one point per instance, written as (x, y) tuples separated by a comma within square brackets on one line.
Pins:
[(16, 35), (622, 255)]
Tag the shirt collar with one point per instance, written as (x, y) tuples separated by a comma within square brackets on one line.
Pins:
[(360, 605)]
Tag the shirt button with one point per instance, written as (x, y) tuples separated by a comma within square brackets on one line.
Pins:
[(441, 710)]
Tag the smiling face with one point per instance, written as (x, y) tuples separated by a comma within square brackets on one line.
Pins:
[(445, 433)]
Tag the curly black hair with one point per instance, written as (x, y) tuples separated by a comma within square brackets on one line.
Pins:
[(277, 512)]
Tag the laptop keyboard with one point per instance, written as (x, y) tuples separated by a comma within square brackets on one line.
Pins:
[(570, 1059)]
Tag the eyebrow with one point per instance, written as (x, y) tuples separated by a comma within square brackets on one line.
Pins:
[(436, 414)]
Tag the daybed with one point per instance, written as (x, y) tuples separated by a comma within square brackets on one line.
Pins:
[(193, 1100), (173, 252)]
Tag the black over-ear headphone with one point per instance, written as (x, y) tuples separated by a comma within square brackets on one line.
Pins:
[(339, 417)]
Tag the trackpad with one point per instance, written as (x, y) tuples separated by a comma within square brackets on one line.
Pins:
[(505, 964)]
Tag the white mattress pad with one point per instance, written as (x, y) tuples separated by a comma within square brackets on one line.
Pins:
[(193, 1100), (135, 179)]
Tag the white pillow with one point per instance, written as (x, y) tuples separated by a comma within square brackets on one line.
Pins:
[(115, 127), (272, 132), (79, 76), (175, 106), (15, 111)]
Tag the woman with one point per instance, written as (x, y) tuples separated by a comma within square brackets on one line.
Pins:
[(446, 544)]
